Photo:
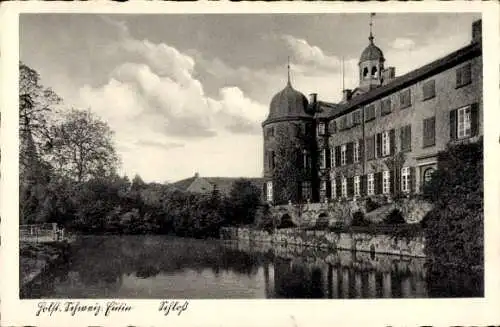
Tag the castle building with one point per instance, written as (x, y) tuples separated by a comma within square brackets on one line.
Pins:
[(382, 138)]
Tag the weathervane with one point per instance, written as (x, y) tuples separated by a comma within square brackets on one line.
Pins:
[(371, 26), (288, 69)]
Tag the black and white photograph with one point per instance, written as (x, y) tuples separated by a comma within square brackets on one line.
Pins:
[(272, 156)]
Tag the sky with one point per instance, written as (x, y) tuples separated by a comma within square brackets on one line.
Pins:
[(187, 93)]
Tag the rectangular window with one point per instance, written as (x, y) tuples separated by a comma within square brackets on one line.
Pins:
[(405, 138), (386, 144), (344, 187), (356, 118), (269, 132), (463, 75), (357, 186), (386, 182), (269, 188), (369, 112), (342, 123), (271, 159), (321, 128), (429, 132), (334, 189), (405, 179), (464, 122), (370, 148), (332, 158), (306, 190), (370, 185), (405, 99), (429, 89), (343, 155), (356, 151), (323, 186), (385, 107), (322, 159)]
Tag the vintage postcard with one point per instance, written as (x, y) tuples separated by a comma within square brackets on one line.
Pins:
[(240, 164)]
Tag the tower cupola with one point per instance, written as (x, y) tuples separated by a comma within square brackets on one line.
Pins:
[(371, 63)]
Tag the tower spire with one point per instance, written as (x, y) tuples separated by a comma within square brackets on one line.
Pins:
[(371, 27), (288, 71)]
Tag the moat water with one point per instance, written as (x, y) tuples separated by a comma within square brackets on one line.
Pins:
[(153, 267)]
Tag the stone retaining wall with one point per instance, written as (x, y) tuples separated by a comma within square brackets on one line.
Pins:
[(331, 240)]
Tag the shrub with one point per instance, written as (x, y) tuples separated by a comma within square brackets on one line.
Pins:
[(395, 217), (358, 219), (371, 205), (454, 229)]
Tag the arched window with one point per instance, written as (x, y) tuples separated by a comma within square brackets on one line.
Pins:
[(374, 71), (428, 175), (365, 72)]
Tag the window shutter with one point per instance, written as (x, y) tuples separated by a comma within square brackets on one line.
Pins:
[(370, 148), (363, 185), (392, 181), (333, 127), (378, 145), (361, 150), (328, 189), (453, 124), (392, 141), (350, 187), (327, 158), (378, 182), (338, 186), (408, 138), (474, 115), (337, 156), (413, 180), (459, 76), (350, 153)]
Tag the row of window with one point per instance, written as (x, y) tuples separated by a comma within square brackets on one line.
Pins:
[(371, 184), (463, 124), (353, 119)]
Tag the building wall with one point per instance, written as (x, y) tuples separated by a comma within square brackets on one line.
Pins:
[(447, 98), (289, 131)]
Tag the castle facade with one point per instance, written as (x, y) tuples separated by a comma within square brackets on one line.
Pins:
[(383, 138)]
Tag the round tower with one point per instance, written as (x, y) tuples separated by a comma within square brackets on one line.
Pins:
[(289, 148)]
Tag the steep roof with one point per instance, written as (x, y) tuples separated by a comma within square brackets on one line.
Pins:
[(204, 184)]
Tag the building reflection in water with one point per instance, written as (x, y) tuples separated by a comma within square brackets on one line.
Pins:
[(345, 275)]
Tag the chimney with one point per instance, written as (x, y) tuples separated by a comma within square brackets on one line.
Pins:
[(346, 94), (477, 31), (313, 98), (196, 175), (388, 74)]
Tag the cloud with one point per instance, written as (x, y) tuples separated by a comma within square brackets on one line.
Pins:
[(308, 54), (159, 144), (402, 44)]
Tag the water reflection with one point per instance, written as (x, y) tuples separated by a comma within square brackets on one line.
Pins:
[(167, 267)]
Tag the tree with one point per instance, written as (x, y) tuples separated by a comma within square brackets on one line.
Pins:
[(82, 147), (36, 102), (244, 199)]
